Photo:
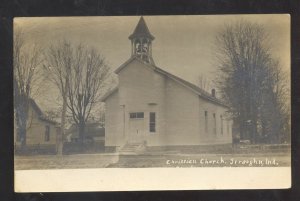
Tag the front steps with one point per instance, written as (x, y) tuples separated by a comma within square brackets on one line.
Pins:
[(132, 149)]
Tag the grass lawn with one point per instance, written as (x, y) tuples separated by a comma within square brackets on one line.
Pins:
[(64, 162)]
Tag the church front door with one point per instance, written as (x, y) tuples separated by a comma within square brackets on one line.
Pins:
[(136, 134)]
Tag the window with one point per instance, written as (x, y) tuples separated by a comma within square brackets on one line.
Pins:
[(227, 127), (47, 133), (136, 115), (221, 124), (152, 123), (215, 124), (206, 122)]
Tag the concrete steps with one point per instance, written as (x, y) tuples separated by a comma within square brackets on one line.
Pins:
[(132, 148)]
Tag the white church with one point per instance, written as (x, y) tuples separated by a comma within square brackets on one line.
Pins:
[(153, 107)]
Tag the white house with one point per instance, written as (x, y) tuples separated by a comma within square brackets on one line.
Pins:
[(154, 107)]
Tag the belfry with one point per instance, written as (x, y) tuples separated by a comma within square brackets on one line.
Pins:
[(141, 42)]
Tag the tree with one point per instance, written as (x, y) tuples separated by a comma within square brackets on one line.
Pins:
[(26, 60), (246, 78), (274, 112), (57, 66), (79, 73)]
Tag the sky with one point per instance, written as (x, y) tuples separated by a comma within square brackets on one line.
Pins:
[(183, 45)]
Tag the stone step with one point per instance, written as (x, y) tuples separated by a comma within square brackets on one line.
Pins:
[(128, 149), (131, 148)]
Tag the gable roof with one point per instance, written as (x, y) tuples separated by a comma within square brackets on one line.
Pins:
[(35, 107), (141, 30), (202, 93), (109, 93), (39, 112)]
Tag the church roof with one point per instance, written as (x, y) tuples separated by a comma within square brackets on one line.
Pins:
[(202, 93), (141, 30)]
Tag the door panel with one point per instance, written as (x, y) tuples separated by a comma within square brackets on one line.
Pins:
[(136, 130)]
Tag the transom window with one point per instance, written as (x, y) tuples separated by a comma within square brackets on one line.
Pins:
[(136, 115)]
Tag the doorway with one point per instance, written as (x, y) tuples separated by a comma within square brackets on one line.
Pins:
[(136, 127)]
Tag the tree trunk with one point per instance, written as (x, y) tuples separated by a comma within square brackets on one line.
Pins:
[(61, 133), (81, 129), (21, 120)]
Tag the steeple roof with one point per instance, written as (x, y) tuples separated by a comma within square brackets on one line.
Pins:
[(141, 30)]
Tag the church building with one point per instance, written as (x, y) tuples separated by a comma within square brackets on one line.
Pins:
[(156, 108)]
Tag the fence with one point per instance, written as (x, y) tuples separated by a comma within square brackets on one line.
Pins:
[(268, 148), (35, 149), (83, 148)]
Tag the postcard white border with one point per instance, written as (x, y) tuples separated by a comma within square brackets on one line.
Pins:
[(140, 179)]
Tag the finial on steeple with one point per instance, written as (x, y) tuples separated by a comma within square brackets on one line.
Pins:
[(141, 41)]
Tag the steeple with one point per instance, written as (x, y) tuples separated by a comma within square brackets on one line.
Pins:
[(141, 42)]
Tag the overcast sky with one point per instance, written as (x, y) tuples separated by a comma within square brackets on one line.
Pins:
[(183, 45)]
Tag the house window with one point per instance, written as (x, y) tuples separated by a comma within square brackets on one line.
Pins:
[(136, 115), (215, 123), (221, 124), (47, 133), (227, 127), (206, 122), (152, 123)]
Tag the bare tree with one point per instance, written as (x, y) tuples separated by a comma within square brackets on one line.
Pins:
[(86, 83), (246, 75), (79, 73), (274, 112), (57, 69), (26, 60)]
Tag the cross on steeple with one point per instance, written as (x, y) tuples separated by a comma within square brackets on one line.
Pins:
[(141, 42)]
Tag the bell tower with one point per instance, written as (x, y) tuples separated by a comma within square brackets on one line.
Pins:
[(141, 42)]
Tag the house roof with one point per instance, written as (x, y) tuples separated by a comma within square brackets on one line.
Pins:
[(202, 93), (109, 93), (35, 107), (39, 112), (141, 30)]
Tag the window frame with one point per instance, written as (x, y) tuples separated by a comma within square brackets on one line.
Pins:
[(134, 115), (227, 122), (152, 122), (222, 132), (206, 121), (215, 124), (47, 133)]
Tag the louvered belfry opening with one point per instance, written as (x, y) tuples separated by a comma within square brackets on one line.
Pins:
[(141, 42)]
